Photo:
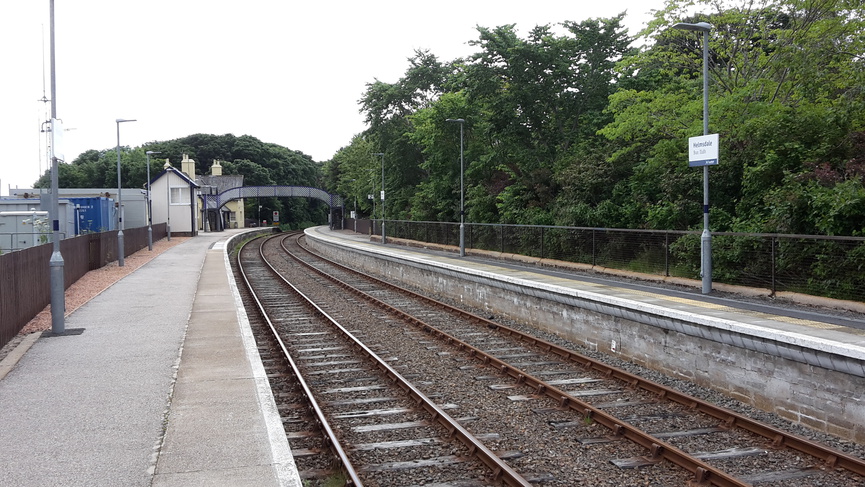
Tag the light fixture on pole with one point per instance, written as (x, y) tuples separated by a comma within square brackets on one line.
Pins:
[(462, 190), (706, 237), (120, 261), (149, 207), (383, 236)]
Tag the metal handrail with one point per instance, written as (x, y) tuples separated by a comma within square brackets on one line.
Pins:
[(819, 265)]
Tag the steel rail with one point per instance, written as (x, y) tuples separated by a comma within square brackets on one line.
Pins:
[(321, 419), (779, 439), (501, 471), (658, 449)]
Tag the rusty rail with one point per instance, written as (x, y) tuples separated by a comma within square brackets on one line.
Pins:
[(703, 473), (500, 470)]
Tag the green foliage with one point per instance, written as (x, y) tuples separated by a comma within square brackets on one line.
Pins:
[(783, 97), (354, 173), (572, 125), (259, 162)]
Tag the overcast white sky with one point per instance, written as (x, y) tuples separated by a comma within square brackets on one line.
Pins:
[(286, 72)]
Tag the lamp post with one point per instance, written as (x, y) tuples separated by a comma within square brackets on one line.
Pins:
[(149, 208), (462, 190), (353, 190), (706, 237), (372, 195), (120, 261), (383, 237), (168, 200), (55, 263)]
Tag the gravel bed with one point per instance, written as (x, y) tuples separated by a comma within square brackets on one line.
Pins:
[(550, 456), (313, 353), (773, 461)]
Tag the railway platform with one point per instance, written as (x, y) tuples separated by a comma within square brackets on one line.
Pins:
[(800, 360), (157, 381), (810, 328)]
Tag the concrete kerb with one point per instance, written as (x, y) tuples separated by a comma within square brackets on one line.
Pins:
[(10, 361), (283, 461)]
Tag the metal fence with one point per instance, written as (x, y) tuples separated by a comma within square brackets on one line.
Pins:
[(809, 264), (25, 286)]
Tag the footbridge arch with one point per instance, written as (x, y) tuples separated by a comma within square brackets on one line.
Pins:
[(213, 202)]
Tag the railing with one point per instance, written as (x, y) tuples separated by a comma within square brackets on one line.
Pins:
[(24, 274), (810, 264)]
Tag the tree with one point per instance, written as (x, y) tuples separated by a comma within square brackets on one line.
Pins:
[(261, 164), (539, 96), (785, 90), (387, 108), (354, 173)]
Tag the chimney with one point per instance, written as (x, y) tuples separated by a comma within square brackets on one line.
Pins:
[(216, 168), (187, 165), (167, 164)]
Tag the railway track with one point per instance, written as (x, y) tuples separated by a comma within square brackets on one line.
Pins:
[(716, 446), (349, 414)]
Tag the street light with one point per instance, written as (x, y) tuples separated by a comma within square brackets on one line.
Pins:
[(372, 195), (55, 263), (120, 261), (149, 208), (462, 191), (706, 238), (353, 190), (383, 237), (167, 168)]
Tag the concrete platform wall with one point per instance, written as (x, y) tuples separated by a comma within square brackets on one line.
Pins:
[(819, 398)]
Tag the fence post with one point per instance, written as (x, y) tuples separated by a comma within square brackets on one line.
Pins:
[(666, 254), (593, 248), (503, 238), (542, 242), (773, 265)]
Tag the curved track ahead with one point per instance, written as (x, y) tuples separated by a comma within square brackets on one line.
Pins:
[(589, 392), (315, 345)]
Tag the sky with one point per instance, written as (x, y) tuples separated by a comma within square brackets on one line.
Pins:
[(286, 72)]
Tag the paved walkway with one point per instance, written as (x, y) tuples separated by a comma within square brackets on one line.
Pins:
[(162, 386)]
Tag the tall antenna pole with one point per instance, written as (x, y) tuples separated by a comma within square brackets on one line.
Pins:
[(44, 114), (53, 77), (58, 287)]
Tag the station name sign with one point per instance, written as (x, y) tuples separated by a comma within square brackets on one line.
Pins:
[(703, 150)]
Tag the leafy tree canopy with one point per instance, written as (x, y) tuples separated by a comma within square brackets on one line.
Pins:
[(572, 124), (261, 164)]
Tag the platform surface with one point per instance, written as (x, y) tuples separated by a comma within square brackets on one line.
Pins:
[(823, 331), (157, 382)]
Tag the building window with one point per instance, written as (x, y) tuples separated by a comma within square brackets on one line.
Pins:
[(180, 196)]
